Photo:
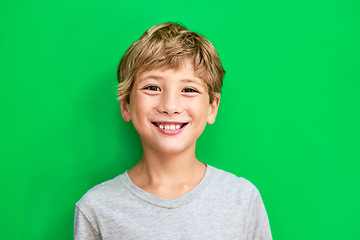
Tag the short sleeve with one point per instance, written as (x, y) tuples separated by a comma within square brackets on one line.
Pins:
[(259, 227), (83, 229)]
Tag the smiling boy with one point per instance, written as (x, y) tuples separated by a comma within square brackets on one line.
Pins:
[(170, 81)]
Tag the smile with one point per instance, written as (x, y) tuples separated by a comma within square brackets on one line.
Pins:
[(169, 127)]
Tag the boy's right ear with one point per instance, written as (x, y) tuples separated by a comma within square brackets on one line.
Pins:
[(125, 110)]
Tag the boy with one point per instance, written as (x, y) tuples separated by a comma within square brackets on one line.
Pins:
[(170, 81)]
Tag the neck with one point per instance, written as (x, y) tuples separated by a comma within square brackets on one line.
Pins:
[(168, 175)]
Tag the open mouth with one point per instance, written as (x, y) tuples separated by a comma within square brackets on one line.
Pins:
[(169, 126)]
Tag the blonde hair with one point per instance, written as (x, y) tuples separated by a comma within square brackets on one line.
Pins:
[(167, 46)]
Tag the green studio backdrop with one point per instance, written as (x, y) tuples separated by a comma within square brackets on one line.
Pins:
[(288, 119)]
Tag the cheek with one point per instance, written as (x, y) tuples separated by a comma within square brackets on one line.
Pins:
[(141, 109), (138, 113), (199, 110)]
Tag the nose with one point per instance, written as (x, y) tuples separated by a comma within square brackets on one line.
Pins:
[(170, 103)]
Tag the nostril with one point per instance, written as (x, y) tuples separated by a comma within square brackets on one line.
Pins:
[(170, 112)]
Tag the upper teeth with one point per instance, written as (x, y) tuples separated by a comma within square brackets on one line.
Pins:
[(170, 126)]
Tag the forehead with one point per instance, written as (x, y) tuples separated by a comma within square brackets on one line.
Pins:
[(185, 73)]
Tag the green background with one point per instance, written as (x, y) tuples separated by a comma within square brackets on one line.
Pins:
[(288, 120)]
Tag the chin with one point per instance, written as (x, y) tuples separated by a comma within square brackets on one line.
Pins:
[(169, 145), (173, 148)]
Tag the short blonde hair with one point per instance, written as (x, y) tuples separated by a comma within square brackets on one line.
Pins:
[(167, 46)]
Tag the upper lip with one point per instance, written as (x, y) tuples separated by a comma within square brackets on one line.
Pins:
[(169, 122)]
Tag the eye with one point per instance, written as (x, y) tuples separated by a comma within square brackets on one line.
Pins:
[(190, 90), (152, 88)]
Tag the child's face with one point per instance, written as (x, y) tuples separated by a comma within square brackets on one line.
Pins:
[(170, 109)]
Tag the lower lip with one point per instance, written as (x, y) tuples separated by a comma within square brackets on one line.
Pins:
[(171, 132)]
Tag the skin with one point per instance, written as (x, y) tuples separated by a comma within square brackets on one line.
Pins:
[(169, 168)]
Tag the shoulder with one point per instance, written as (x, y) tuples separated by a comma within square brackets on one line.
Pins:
[(224, 177), (230, 184), (103, 192)]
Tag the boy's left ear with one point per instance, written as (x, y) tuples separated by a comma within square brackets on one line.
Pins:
[(214, 106), (125, 110)]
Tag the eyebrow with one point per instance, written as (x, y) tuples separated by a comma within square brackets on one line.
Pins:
[(190, 81), (155, 77), (159, 78)]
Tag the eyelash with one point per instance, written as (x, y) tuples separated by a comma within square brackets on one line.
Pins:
[(156, 89), (191, 90), (151, 88)]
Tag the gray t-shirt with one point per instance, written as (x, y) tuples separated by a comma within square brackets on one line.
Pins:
[(222, 206)]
